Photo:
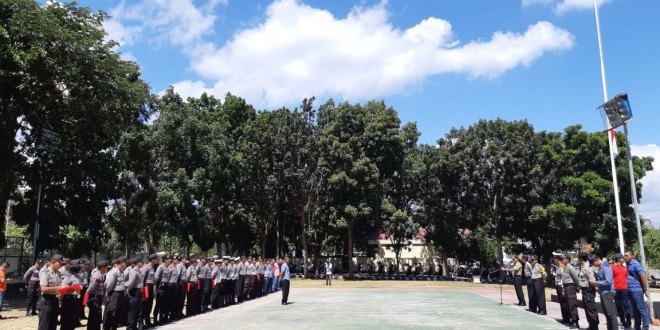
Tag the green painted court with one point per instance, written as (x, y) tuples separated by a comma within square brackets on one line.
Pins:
[(331, 308)]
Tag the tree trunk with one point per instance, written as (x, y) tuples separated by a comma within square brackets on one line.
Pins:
[(277, 238), (350, 250), (150, 240), (397, 257), (303, 220), (500, 253), (7, 165), (263, 242)]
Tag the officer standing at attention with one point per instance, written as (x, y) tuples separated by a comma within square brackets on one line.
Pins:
[(162, 277), (232, 274), (181, 286), (70, 318), (50, 282), (31, 279), (285, 275), (538, 283), (217, 279), (191, 287), (173, 283), (201, 278), (527, 279), (587, 279), (559, 287), (148, 273), (570, 280), (95, 295), (328, 273), (134, 288), (115, 288), (224, 282), (605, 284)]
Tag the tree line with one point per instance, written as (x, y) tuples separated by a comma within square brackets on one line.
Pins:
[(217, 174)]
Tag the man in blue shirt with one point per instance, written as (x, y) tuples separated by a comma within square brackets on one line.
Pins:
[(605, 282), (637, 287), (285, 275)]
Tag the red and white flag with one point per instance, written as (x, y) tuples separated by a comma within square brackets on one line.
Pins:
[(615, 148)]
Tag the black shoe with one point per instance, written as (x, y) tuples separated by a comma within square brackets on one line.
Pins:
[(2, 317), (34, 313), (542, 313), (28, 313)]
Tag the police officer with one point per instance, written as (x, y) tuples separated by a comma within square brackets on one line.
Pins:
[(586, 281), (84, 276), (205, 284), (191, 288), (527, 279), (134, 287), (216, 281), (31, 279), (224, 282), (162, 278), (172, 284), (240, 283), (50, 282), (570, 280), (115, 288), (517, 272), (95, 295), (250, 273), (559, 288), (70, 302), (538, 284), (148, 273), (232, 276), (181, 285)]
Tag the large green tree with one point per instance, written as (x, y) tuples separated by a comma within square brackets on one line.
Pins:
[(59, 75)]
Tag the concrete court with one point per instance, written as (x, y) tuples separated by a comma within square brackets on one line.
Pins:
[(331, 308)]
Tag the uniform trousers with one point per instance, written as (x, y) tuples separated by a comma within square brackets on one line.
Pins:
[(161, 303), (267, 283), (215, 296), (609, 308), (134, 299), (82, 307), (32, 296), (539, 294), (94, 303), (623, 307), (70, 312), (112, 310), (531, 297), (570, 291), (181, 293), (240, 284), (285, 291), (147, 304), (50, 309), (249, 282), (205, 287), (589, 303), (563, 304), (517, 284), (192, 300)]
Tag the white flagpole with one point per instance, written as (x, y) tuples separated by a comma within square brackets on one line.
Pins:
[(609, 140)]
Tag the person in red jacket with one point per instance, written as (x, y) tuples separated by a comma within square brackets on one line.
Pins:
[(620, 272)]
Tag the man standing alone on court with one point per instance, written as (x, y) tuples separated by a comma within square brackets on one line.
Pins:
[(285, 275)]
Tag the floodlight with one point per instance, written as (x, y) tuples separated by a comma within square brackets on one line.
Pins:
[(617, 110)]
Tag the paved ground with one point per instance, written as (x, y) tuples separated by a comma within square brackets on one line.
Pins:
[(331, 308), (364, 305)]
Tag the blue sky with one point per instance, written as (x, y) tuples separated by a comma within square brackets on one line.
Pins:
[(441, 64)]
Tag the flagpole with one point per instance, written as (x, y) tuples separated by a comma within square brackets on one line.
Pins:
[(610, 131)]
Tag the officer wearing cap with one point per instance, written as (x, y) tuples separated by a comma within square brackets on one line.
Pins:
[(588, 287), (517, 271), (224, 282), (50, 282), (538, 283), (216, 283), (115, 288), (95, 293), (84, 276), (148, 273), (181, 286), (232, 276), (162, 277), (191, 288), (173, 283), (570, 280), (70, 310), (204, 278), (559, 287), (251, 273), (527, 279), (241, 267), (134, 287), (31, 279)]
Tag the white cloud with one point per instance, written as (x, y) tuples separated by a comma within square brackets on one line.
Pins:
[(177, 22), (649, 206), (563, 6), (299, 51)]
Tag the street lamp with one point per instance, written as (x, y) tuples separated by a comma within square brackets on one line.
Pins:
[(618, 114)]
